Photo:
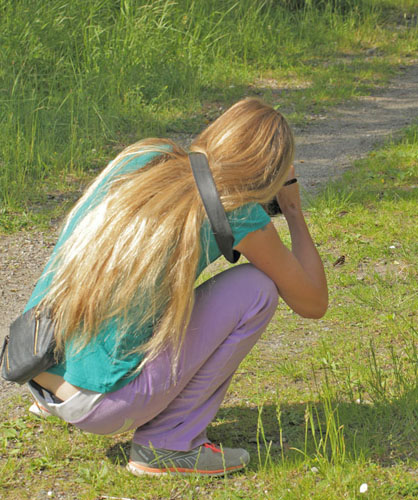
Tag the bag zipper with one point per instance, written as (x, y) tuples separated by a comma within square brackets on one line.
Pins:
[(35, 341), (4, 351)]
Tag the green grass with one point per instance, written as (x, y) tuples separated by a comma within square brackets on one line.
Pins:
[(323, 406), (81, 79)]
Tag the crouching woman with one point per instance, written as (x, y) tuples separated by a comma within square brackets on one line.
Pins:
[(140, 347)]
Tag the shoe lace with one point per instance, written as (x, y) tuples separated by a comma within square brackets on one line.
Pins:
[(213, 447)]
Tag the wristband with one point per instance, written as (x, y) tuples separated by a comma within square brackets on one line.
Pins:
[(290, 181)]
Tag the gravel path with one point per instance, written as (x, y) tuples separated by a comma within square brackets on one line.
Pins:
[(330, 143), (326, 146)]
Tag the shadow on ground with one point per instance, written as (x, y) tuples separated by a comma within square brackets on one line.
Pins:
[(385, 432)]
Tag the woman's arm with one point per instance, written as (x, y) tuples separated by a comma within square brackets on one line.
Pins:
[(298, 274)]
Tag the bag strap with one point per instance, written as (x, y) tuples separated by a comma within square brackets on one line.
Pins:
[(213, 206)]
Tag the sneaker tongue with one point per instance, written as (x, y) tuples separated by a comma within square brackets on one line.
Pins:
[(213, 447)]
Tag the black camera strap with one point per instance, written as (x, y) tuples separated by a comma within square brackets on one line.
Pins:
[(213, 206)]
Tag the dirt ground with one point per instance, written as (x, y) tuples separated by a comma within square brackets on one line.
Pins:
[(326, 146)]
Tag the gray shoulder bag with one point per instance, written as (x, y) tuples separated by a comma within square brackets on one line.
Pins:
[(28, 350)]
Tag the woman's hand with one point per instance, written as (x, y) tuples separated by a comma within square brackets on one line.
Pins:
[(288, 197)]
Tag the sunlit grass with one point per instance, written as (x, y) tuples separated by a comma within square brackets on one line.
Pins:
[(79, 80)]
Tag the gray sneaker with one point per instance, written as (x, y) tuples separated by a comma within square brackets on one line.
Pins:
[(206, 460), (38, 410)]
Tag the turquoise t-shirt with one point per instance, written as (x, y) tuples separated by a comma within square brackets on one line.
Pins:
[(104, 365)]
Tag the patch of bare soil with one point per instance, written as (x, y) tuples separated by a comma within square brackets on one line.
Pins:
[(326, 146), (330, 143)]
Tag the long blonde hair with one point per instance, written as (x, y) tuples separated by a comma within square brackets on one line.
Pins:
[(135, 254)]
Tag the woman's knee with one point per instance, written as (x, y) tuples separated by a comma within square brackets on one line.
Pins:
[(264, 285), (257, 284)]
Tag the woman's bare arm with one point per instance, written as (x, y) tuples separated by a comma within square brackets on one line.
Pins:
[(299, 273)]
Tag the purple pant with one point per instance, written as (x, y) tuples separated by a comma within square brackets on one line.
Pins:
[(231, 311)]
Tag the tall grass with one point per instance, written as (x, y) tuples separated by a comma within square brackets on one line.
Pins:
[(79, 79)]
